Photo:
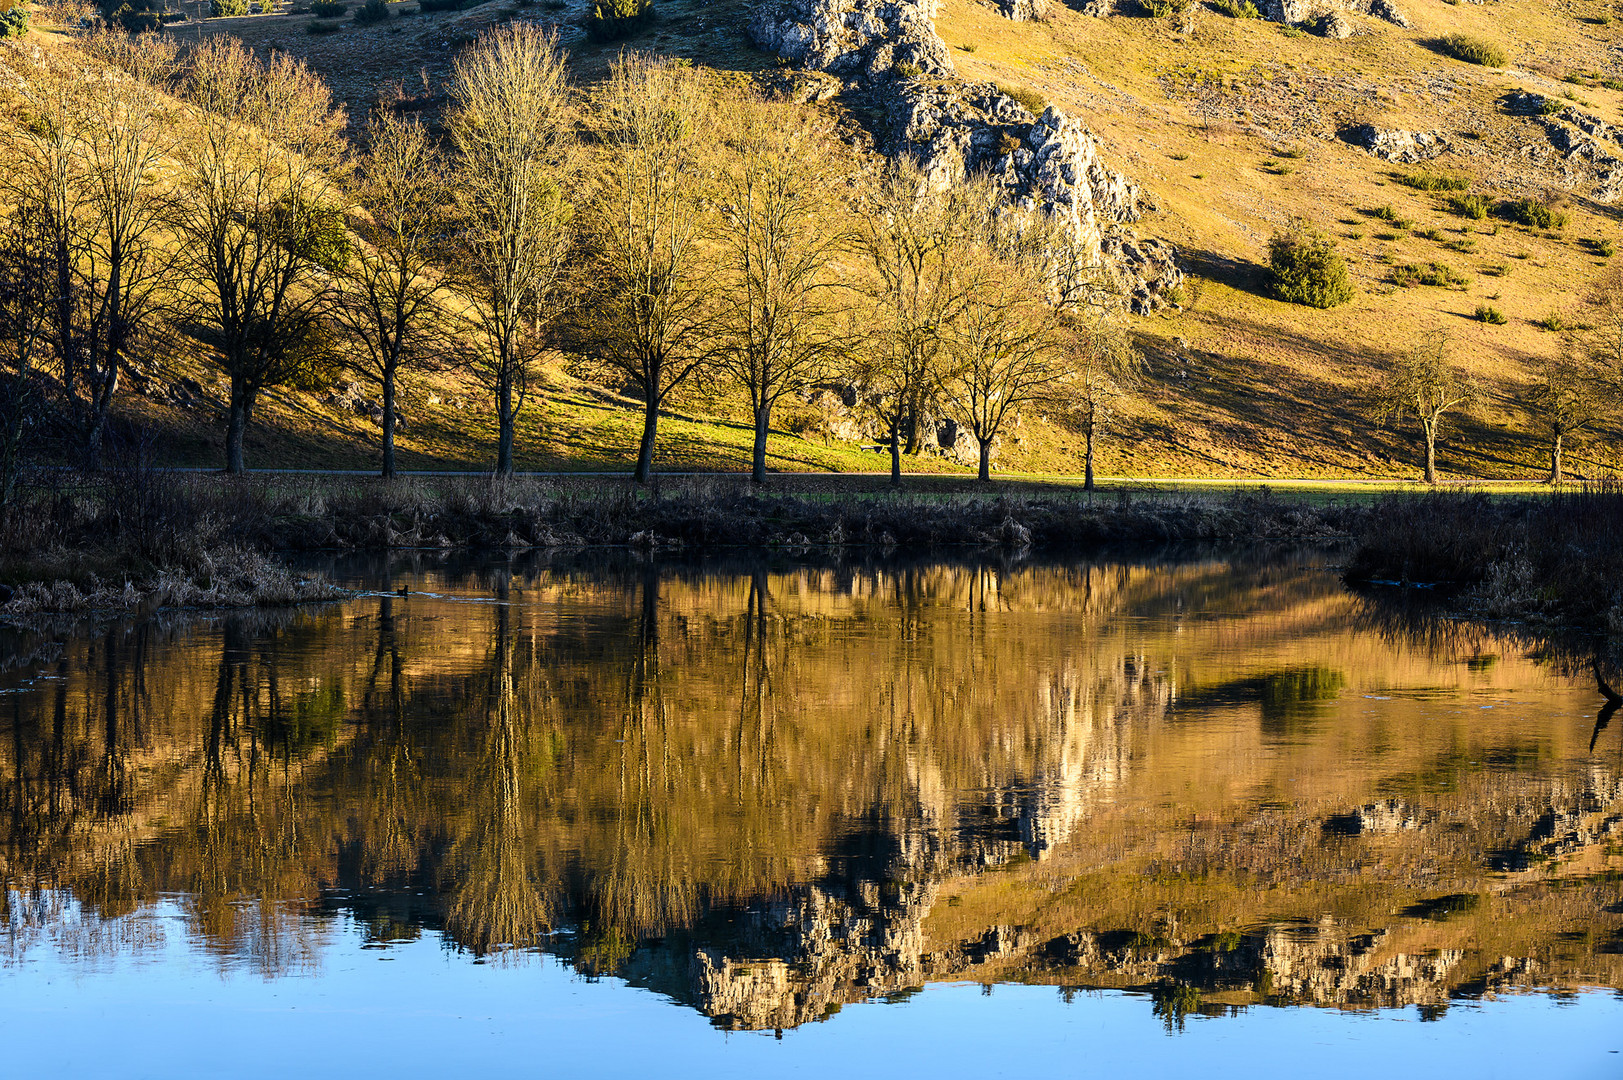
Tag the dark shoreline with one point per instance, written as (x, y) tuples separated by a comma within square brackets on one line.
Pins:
[(114, 543)]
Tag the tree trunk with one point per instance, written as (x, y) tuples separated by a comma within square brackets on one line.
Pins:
[(1557, 473), (1431, 458), (504, 431), (763, 421), (914, 434), (388, 424), (895, 456), (236, 428), (1087, 461), (986, 460), (645, 451)]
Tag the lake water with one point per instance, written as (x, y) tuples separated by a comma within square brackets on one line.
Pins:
[(1196, 812)]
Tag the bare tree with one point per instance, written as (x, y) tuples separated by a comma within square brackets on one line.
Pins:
[(1002, 351), (1426, 386), (1570, 395), (25, 311), (910, 238), (645, 313), (514, 135), (387, 288), (88, 169), (1103, 369), (258, 216), (779, 230)]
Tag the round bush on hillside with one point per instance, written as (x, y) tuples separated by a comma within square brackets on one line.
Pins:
[(1306, 268), (1474, 50)]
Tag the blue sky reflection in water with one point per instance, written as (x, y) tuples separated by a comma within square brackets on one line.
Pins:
[(417, 1009), (1201, 813)]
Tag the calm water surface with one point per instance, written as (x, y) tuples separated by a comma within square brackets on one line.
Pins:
[(1199, 812)]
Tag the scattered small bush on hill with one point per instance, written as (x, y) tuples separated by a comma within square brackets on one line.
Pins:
[(1429, 181), (1474, 50), (1030, 100), (372, 12), (1431, 273), (319, 26), (615, 20), (1534, 213), (227, 9), (1237, 9), (1491, 315), (1471, 206), (1603, 249), (904, 70), (1161, 9), (1554, 322), (14, 23), (1307, 269), (1390, 216)]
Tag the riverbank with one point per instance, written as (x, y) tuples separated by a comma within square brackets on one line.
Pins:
[(1555, 560), (140, 540)]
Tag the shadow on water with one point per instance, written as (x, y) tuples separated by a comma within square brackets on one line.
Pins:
[(769, 787)]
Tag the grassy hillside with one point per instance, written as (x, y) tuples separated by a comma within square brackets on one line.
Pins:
[(1241, 384)]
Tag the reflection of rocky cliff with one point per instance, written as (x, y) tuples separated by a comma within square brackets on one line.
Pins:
[(770, 792)]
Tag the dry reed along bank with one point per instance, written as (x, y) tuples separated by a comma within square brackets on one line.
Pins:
[(1556, 558), (128, 539)]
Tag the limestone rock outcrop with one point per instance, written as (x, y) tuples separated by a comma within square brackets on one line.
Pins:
[(1297, 12), (1401, 147), (1049, 164), (867, 40), (1023, 10)]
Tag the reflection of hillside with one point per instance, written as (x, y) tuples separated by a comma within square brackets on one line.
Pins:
[(771, 792)]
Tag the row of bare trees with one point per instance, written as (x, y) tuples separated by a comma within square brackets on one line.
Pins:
[(1576, 389), (650, 232)]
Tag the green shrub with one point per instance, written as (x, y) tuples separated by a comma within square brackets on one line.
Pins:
[(1534, 213), (372, 12), (1471, 206), (1237, 9), (13, 23), (1432, 273), (1553, 322), (1390, 216), (1290, 31), (1033, 102), (328, 9), (904, 70), (1429, 181), (1307, 269), (1491, 315), (615, 20), (319, 26), (226, 9), (1497, 269), (1603, 248), (1161, 9), (1474, 50)]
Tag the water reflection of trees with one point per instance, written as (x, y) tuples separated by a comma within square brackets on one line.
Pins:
[(766, 763)]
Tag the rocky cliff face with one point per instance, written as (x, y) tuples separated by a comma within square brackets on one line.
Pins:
[(1049, 164), (1307, 11), (867, 40)]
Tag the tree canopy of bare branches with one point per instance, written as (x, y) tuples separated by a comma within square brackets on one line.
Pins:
[(512, 127)]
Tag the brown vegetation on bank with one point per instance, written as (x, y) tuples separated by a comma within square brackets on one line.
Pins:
[(1556, 559), (128, 539)]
